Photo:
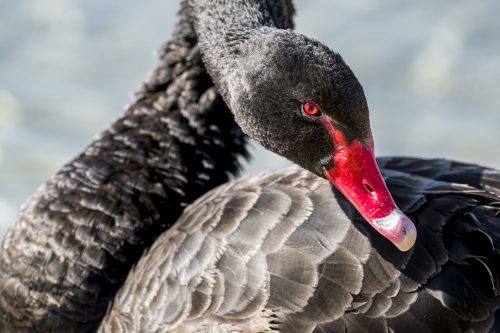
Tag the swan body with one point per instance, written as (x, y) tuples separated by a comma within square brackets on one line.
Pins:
[(285, 252)]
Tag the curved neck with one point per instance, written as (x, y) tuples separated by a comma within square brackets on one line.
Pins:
[(76, 239), (223, 25), (226, 27)]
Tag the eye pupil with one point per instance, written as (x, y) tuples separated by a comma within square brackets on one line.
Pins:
[(311, 109)]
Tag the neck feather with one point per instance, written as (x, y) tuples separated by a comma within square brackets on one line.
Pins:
[(79, 235), (226, 27)]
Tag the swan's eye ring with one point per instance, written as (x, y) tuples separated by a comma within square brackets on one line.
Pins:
[(311, 109)]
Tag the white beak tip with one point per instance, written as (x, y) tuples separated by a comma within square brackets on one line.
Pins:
[(398, 229)]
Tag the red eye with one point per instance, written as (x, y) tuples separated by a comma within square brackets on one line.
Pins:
[(311, 109)]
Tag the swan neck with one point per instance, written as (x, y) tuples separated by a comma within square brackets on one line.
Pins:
[(227, 28), (78, 236), (223, 26)]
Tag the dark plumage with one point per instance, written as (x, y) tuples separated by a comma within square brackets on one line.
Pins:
[(279, 251), (79, 234), (287, 252)]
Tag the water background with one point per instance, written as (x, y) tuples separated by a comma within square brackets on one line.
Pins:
[(430, 70)]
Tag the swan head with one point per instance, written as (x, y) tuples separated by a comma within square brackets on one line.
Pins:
[(298, 98)]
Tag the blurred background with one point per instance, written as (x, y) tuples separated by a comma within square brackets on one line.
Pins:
[(430, 71)]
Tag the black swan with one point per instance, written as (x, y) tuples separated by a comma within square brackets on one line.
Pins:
[(275, 252), (286, 252)]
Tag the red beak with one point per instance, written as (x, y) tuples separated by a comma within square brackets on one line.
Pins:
[(356, 174)]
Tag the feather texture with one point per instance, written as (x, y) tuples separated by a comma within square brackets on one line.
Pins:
[(326, 270), (79, 234)]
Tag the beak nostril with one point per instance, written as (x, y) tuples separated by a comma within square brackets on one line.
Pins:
[(368, 188)]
